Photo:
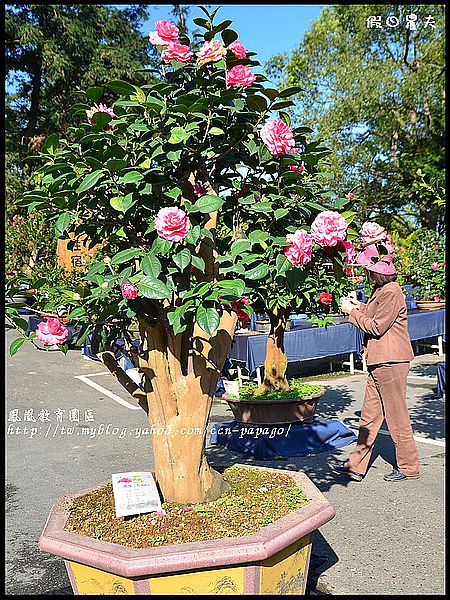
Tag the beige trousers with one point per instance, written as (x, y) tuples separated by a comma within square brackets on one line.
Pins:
[(385, 398)]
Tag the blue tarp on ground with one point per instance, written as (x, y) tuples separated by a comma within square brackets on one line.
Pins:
[(268, 442)]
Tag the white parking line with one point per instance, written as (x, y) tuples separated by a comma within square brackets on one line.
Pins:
[(99, 388)]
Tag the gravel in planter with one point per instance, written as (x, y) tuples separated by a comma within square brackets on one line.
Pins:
[(257, 498)]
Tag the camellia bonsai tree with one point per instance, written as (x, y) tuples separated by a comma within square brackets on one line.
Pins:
[(305, 252), (146, 179)]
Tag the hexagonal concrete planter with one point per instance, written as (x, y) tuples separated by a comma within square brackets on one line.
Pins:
[(273, 561)]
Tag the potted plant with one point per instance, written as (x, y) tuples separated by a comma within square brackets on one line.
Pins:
[(296, 275), (149, 178)]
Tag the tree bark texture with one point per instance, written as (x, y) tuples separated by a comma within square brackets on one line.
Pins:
[(276, 360)]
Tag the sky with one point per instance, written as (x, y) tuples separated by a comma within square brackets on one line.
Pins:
[(266, 29)]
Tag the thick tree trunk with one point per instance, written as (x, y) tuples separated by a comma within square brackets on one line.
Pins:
[(179, 404), (276, 360)]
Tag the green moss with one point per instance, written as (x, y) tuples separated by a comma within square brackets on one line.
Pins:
[(297, 389), (257, 498)]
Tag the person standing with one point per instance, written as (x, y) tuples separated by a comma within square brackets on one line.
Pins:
[(388, 354)]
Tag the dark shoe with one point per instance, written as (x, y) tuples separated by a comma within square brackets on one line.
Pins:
[(397, 475), (342, 468)]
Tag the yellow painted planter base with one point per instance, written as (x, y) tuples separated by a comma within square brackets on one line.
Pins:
[(283, 573)]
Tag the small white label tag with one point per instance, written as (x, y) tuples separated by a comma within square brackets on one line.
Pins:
[(135, 493), (231, 387)]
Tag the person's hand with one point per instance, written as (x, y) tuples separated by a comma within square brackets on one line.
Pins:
[(348, 305)]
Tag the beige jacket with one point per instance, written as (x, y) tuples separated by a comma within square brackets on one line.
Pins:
[(385, 324)]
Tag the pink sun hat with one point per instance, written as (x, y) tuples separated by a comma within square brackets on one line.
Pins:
[(385, 266), (364, 258)]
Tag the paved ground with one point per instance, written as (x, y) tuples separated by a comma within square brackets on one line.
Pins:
[(386, 538)]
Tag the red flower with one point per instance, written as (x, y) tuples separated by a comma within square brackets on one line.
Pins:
[(326, 298), (243, 316)]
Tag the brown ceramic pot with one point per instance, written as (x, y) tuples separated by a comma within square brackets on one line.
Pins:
[(430, 304), (274, 412)]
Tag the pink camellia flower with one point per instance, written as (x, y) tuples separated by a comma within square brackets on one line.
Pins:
[(372, 232), (129, 290), (165, 32), (434, 266), (172, 224), (176, 51), (437, 299), (238, 49), (243, 316), (277, 136), (240, 75), (329, 228), (350, 251), (299, 252), (100, 108), (211, 52), (435, 246), (51, 332), (350, 195)]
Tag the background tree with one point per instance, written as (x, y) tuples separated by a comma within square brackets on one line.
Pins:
[(52, 51), (377, 97)]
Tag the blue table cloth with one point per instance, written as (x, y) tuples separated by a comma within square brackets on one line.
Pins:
[(268, 442), (426, 323), (305, 341), (301, 343)]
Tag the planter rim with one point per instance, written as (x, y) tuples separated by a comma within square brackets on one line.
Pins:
[(138, 562), (283, 401)]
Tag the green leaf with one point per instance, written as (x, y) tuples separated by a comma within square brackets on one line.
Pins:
[(182, 259), (122, 203), (125, 255), (51, 143), (270, 93), (207, 204), (290, 91), (258, 235), (281, 212), (262, 207), (116, 164), (258, 103), (239, 246), (208, 319), (229, 36), (89, 181), (153, 288), (198, 263), (121, 87), (236, 286), (282, 104), (94, 93), (282, 264), (63, 222), (16, 345), (216, 131), (150, 265), (131, 177), (258, 272), (177, 135)]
